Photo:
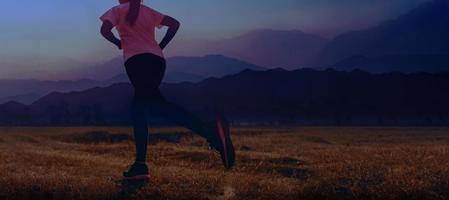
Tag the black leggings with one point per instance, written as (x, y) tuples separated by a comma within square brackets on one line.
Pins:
[(146, 72)]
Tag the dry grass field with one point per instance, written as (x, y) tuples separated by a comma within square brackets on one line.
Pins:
[(283, 163)]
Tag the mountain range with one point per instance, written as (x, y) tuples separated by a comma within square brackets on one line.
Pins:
[(179, 69), (303, 96), (290, 49), (416, 41), (413, 42), (27, 91)]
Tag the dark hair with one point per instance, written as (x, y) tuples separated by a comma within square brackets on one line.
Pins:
[(133, 12)]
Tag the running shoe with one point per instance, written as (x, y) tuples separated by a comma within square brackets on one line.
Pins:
[(220, 140), (137, 171)]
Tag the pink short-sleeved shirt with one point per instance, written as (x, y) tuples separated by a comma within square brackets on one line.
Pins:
[(140, 38)]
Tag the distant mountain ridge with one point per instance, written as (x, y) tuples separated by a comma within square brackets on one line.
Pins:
[(21, 98), (432, 63), (414, 42), (27, 91), (304, 96), (268, 48), (179, 69), (208, 66), (418, 36), (289, 49), (202, 66)]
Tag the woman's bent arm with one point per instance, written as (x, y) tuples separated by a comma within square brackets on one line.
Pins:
[(106, 32), (173, 26)]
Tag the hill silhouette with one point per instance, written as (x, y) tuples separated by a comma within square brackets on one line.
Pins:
[(304, 96), (179, 69), (27, 91), (416, 41), (396, 63), (268, 48), (208, 66)]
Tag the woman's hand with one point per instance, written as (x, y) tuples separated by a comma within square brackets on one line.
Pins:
[(119, 44), (173, 26), (106, 32)]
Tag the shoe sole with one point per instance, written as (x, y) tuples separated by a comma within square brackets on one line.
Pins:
[(225, 140), (138, 178)]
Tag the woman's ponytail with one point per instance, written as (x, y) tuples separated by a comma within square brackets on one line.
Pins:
[(133, 12)]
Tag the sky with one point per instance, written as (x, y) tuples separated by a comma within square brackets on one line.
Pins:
[(42, 36)]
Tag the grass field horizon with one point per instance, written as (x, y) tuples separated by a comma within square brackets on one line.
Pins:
[(272, 163)]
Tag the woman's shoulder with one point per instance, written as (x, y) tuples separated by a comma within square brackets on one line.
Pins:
[(120, 7), (149, 9)]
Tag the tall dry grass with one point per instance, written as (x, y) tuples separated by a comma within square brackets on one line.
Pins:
[(281, 163)]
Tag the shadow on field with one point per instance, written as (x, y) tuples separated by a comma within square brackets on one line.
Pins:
[(129, 188)]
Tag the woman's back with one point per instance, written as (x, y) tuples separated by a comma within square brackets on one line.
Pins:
[(138, 38)]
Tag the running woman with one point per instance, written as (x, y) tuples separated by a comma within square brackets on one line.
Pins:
[(145, 66)]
